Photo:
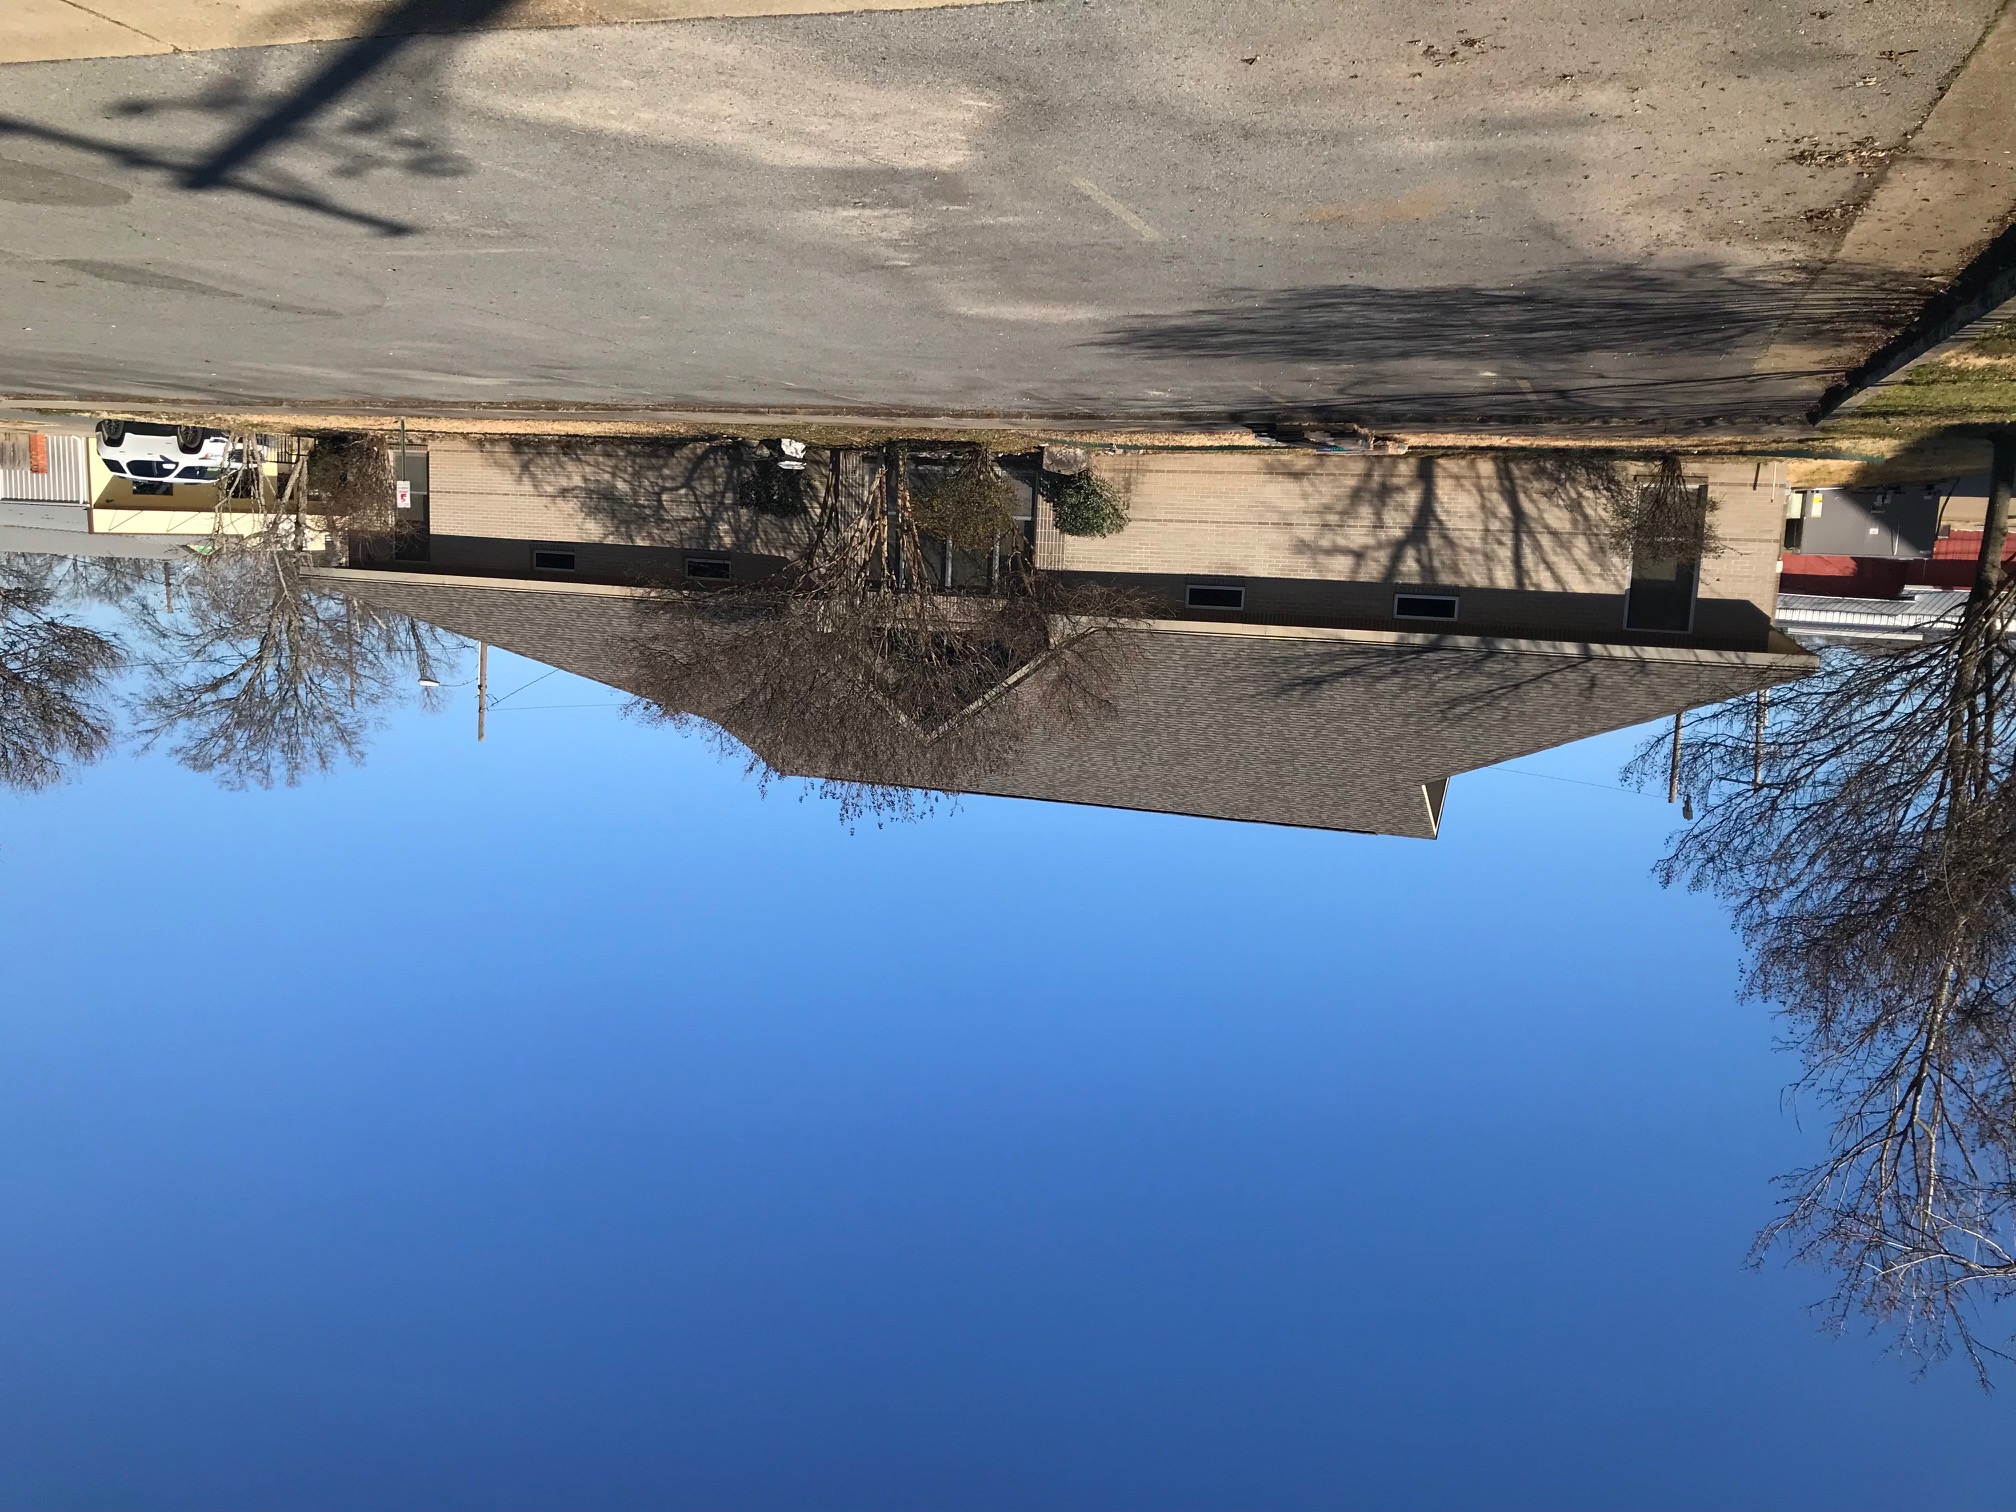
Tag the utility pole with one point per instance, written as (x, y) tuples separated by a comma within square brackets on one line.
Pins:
[(168, 586), (896, 492), (482, 685), (1673, 773), (1757, 750), (1995, 528)]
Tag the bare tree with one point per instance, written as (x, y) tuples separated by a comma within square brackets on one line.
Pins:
[(354, 483), (859, 665), (114, 582), (1866, 842), (262, 675), (252, 671), (53, 672)]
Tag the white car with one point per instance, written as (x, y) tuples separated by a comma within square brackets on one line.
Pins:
[(158, 454)]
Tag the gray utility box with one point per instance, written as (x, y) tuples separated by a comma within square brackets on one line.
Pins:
[(1897, 522)]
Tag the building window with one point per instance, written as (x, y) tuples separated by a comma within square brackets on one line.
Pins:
[(1214, 596), (552, 561), (1665, 577), (714, 569), (1438, 606)]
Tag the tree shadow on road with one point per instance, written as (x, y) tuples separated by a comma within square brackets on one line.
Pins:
[(1561, 346)]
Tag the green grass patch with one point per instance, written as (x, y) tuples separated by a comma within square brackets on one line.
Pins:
[(1938, 391)]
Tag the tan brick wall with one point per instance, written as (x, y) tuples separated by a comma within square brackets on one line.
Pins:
[(483, 492), (1462, 522), (1749, 516), (1513, 524), (597, 494), (1474, 522)]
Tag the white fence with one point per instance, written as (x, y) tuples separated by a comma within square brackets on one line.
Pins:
[(66, 482)]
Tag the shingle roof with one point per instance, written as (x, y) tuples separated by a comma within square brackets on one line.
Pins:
[(1291, 728)]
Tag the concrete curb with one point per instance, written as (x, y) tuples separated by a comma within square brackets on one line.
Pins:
[(1947, 195), (1215, 432), (1982, 296)]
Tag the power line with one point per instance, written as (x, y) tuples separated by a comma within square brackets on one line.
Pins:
[(534, 708), (1608, 787), (516, 691)]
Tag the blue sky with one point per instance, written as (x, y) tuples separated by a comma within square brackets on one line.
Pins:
[(561, 1123)]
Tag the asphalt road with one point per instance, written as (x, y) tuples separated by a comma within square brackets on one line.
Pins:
[(1075, 207)]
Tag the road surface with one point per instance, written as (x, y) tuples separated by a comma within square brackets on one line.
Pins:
[(1458, 213)]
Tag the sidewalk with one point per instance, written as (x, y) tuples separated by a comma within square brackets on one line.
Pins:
[(1944, 195), (1005, 432), (43, 31)]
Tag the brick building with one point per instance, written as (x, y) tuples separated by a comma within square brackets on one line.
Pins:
[(1367, 629)]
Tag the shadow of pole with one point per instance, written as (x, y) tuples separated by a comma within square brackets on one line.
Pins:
[(138, 157), (389, 36)]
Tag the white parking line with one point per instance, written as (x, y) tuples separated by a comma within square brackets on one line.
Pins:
[(1119, 211)]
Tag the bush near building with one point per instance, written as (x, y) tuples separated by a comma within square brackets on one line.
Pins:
[(1088, 505)]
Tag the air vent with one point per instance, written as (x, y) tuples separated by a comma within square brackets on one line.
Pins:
[(1214, 596), (1435, 606)]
